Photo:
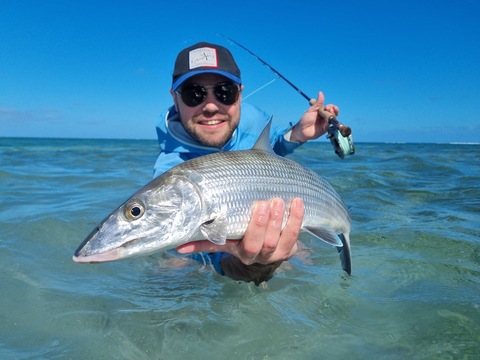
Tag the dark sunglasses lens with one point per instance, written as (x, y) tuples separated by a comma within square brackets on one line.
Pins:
[(226, 93), (193, 95)]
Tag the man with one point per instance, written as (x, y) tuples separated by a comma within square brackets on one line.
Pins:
[(207, 116)]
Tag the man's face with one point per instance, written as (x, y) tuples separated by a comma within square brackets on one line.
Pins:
[(211, 122)]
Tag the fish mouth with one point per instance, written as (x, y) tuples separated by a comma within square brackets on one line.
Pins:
[(111, 255), (117, 253)]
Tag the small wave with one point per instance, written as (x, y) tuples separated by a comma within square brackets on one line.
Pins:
[(464, 143)]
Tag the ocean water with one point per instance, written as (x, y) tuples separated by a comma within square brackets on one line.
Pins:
[(414, 292)]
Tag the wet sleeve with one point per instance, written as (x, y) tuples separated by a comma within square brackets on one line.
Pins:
[(212, 258), (283, 146), (228, 265), (232, 267)]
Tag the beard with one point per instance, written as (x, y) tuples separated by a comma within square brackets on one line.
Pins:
[(217, 141)]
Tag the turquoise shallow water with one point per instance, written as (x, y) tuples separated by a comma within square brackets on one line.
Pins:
[(414, 292)]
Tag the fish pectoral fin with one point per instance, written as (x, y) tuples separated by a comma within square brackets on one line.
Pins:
[(215, 230), (329, 236)]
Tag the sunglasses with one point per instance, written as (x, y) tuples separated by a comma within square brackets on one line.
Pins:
[(195, 94)]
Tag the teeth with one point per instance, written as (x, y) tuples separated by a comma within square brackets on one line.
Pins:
[(211, 122)]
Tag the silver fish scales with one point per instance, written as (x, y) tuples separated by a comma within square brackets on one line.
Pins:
[(258, 175)]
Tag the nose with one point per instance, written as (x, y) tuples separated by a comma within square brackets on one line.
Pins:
[(210, 105)]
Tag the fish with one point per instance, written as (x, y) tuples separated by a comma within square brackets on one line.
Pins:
[(211, 197)]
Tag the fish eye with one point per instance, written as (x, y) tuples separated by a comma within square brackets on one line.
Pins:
[(134, 210)]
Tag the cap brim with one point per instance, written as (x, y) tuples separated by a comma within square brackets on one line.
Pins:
[(190, 74)]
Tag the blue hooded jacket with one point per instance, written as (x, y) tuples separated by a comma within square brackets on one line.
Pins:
[(177, 146)]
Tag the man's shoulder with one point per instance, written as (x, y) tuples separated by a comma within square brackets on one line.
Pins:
[(253, 113)]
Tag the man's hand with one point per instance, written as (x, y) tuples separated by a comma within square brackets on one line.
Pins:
[(264, 241), (312, 123)]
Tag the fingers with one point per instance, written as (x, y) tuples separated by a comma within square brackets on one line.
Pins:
[(333, 109), (263, 234), (264, 241), (288, 240), (324, 112), (318, 104), (254, 238), (274, 227)]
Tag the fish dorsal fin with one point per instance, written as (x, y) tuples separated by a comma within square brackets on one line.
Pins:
[(263, 142), (329, 236)]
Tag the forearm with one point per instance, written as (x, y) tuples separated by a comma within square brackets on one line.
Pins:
[(284, 145)]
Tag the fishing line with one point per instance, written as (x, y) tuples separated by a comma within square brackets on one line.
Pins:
[(260, 88), (270, 67), (338, 133)]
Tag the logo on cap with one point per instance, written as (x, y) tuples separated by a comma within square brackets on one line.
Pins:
[(202, 57)]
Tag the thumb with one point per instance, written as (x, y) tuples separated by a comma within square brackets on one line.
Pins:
[(203, 246), (318, 103)]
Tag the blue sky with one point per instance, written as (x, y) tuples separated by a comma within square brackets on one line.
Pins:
[(401, 71)]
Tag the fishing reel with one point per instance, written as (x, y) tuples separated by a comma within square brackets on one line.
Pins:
[(339, 135), (343, 145)]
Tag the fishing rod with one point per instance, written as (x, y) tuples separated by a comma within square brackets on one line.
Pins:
[(339, 134)]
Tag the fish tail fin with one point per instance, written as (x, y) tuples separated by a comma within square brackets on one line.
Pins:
[(345, 253)]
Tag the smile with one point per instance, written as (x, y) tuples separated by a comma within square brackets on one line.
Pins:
[(210, 122)]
